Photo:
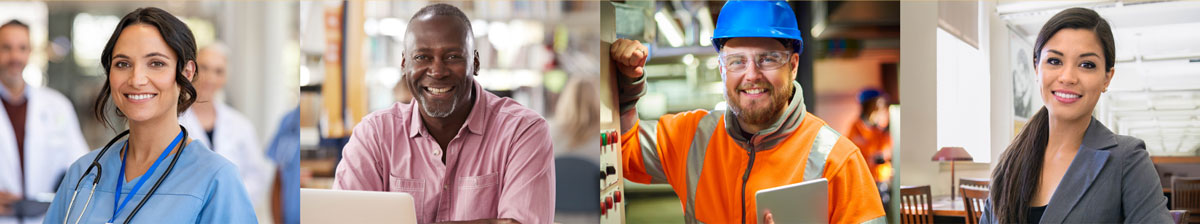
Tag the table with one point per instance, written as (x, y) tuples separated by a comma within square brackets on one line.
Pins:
[(944, 205)]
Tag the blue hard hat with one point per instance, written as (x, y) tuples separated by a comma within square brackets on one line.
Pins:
[(868, 94), (773, 19)]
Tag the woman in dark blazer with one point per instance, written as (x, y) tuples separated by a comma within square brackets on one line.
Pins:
[(1064, 166)]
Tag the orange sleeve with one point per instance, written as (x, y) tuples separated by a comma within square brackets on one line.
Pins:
[(631, 156), (668, 140), (853, 195)]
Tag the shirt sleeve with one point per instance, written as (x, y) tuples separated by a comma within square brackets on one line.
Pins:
[(987, 217), (358, 169), (228, 201), (853, 195), (528, 184), (650, 150), (1142, 198)]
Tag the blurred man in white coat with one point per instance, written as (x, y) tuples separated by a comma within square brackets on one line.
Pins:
[(39, 133), (222, 128)]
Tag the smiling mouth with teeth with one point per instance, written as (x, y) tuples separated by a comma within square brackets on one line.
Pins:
[(754, 91), (438, 90), (139, 96), (1066, 95)]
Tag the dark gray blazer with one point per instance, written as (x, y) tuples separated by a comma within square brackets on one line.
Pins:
[(1111, 180)]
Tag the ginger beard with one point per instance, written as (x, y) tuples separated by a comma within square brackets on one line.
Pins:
[(761, 110)]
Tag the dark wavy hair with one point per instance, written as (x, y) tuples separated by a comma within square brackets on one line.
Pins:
[(1021, 163), (178, 37)]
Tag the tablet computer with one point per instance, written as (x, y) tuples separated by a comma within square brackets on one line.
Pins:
[(804, 202), (29, 208)]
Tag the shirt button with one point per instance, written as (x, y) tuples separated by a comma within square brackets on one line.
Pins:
[(437, 152), (445, 187)]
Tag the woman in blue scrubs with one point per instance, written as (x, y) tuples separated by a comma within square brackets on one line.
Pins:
[(150, 62)]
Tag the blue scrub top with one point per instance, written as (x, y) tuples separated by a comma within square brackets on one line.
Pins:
[(285, 150), (202, 188)]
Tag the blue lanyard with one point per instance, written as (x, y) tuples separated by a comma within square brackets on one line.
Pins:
[(141, 180)]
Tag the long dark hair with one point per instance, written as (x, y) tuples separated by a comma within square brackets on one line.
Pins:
[(1021, 163), (178, 37)]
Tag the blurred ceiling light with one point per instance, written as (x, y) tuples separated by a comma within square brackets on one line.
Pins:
[(498, 34), (393, 27), (479, 27), (706, 26), (688, 59), (371, 27), (671, 31), (33, 76), (712, 63), (84, 30), (388, 76)]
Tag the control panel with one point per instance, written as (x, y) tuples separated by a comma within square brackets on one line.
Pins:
[(612, 187)]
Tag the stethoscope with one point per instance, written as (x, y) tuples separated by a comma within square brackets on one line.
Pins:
[(99, 170)]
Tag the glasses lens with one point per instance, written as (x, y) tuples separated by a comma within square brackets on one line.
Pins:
[(734, 63), (772, 60)]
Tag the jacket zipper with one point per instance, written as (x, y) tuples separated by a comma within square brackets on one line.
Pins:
[(745, 179)]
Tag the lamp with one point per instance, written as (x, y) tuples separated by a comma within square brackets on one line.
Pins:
[(952, 154)]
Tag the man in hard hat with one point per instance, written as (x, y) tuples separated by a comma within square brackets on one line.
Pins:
[(870, 133), (716, 161)]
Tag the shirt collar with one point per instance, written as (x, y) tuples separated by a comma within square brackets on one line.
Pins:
[(1097, 136), (476, 119), (9, 97)]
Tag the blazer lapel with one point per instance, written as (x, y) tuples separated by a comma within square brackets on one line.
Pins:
[(1084, 168)]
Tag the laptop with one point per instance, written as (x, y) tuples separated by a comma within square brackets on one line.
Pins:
[(804, 202), (339, 206)]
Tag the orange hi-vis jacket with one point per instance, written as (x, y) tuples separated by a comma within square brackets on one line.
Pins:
[(870, 141), (716, 174)]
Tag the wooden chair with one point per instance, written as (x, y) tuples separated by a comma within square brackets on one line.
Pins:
[(982, 183), (973, 199), (916, 204), (1185, 195)]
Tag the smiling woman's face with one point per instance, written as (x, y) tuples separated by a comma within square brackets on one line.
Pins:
[(1071, 69), (142, 74)]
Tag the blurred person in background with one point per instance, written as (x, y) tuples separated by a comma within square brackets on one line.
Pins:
[(577, 151), (576, 120), (39, 133), (870, 133), (220, 127), (285, 151), (464, 153)]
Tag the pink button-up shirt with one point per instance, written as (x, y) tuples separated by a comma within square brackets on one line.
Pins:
[(500, 165)]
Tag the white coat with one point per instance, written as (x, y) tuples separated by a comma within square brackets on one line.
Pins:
[(52, 142), (236, 141)]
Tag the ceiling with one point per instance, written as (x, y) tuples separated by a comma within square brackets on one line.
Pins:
[(1155, 92)]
